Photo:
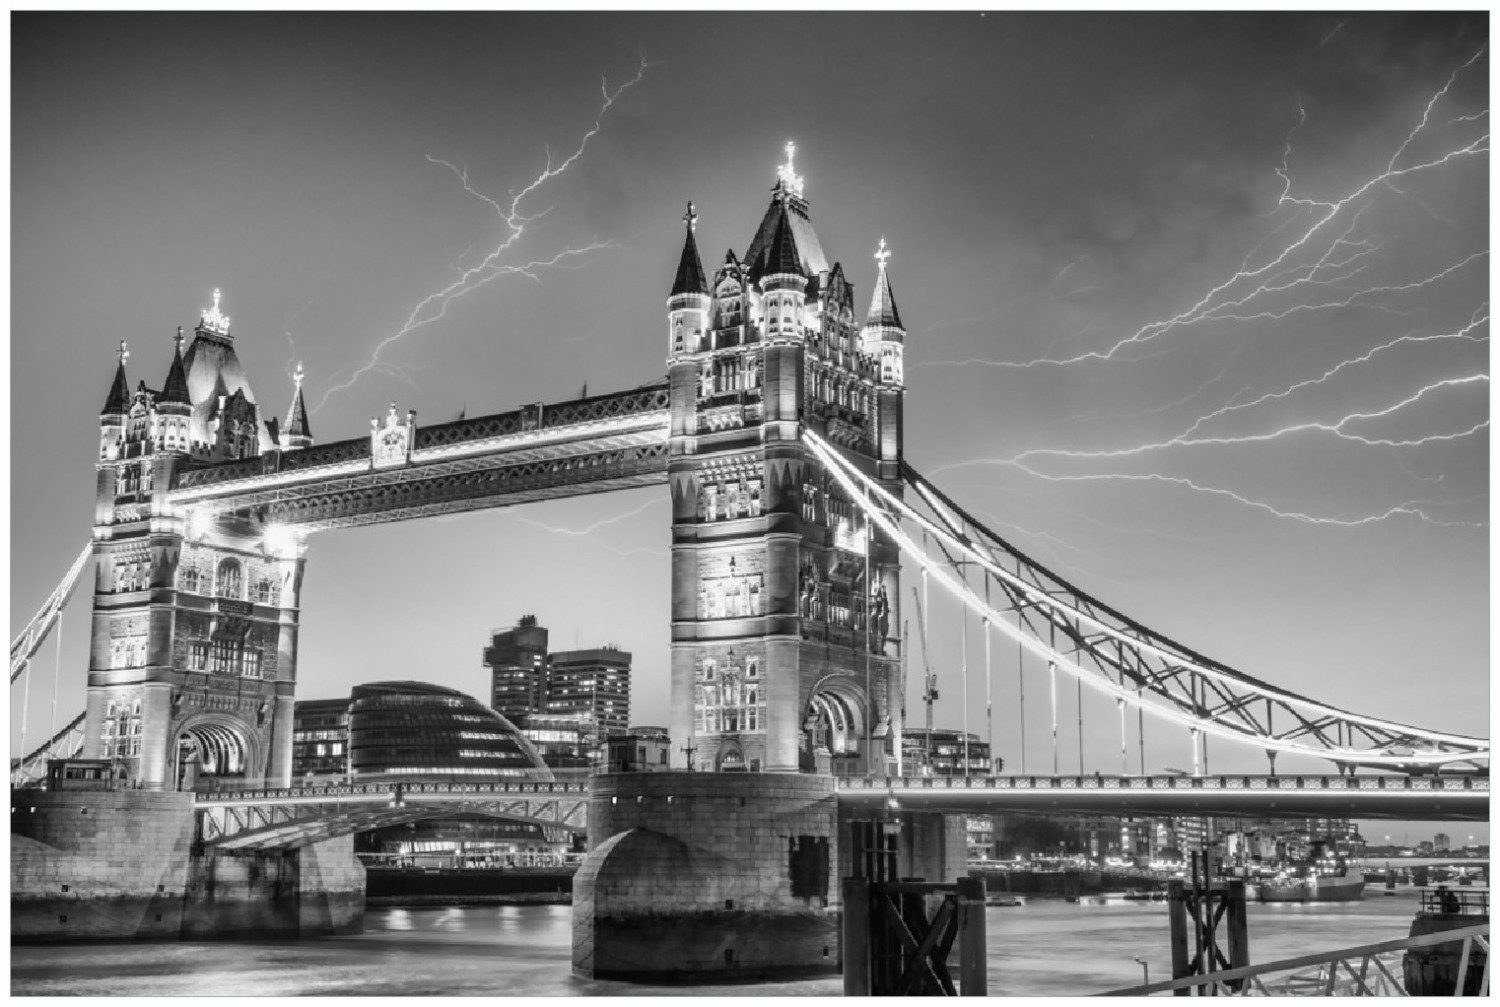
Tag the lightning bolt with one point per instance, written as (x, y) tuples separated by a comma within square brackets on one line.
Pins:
[(588, 531), (1262, 279), (435, 305), (1412, 508)]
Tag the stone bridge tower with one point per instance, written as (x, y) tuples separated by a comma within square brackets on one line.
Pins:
[(785, 601), (193, 655)]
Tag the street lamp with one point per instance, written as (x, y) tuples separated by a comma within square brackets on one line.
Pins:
[(1145, 971)]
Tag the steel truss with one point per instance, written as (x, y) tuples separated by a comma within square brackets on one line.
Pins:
[(23, 647), (1123, 659), (288, 819)]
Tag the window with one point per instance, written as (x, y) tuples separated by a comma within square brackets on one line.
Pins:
[(230, 580), (263, 591), (197, 656), (187, 579)]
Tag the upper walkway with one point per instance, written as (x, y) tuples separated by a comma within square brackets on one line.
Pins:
[(1446, 798)]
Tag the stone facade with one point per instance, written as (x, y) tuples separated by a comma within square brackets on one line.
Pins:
[(785, 600)]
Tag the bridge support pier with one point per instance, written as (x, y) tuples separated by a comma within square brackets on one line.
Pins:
[(708, 877), (122, 865)]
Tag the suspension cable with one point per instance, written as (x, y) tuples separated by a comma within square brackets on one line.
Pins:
[(846, 476), (56, 674), (989, 706), (964, 666)]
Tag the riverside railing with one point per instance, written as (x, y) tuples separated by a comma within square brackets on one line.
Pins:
[(1368, 970)]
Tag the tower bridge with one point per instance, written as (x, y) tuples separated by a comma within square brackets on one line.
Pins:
[(778, 433)]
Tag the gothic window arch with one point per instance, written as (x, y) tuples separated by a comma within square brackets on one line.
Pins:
[(230, 580)]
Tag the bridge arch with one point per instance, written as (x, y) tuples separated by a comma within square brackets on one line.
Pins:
[(214, 745), (835, 717)]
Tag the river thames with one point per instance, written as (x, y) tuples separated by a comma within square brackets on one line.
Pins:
[(1046, 948)]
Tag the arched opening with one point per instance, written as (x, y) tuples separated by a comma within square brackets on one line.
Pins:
[(211, 751), (731, 759), (833, 726)]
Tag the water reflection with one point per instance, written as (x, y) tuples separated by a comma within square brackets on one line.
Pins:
[(1045, 948)]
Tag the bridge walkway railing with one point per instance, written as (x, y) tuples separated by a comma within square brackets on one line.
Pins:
[(1367, 970), (1216, 781)]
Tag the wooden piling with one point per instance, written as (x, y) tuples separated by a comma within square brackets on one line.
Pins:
[(973, 975), (1177, 922), (856, 937)]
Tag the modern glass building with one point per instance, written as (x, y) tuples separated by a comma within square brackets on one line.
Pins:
[(417, 731)]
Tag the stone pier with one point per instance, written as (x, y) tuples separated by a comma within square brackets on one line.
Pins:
[(725, 877), (121, 865)]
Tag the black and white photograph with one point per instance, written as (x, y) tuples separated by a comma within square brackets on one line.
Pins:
[(771, 502)]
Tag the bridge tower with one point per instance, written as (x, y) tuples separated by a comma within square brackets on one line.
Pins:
[(193, 655), (785, 625)]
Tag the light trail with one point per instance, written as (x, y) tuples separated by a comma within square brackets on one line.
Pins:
[(435, 305)]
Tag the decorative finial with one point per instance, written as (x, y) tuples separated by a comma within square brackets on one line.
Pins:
[(178, 339), (297, 376), (214, 319), (881, 254), (124, 353), (789, 178), (691, 217)]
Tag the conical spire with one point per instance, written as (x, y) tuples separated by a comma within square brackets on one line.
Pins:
[(883, 311), (781, 257), (176, 388), (296, 416), (690, 278), (118, 402)]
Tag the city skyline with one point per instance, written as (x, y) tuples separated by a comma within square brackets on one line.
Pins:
[(328, 206)]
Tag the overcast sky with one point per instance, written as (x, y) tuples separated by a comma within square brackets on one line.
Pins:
[(1050, 186)]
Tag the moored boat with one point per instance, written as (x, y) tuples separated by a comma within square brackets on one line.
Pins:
[(1315, 888)]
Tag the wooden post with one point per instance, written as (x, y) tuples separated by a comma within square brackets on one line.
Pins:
[(1239, 931), (1178, 927), (973, 963), (856, 937)]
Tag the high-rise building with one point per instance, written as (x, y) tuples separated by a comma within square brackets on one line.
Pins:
[(592, 685), (517, 658), (1441, 842), (320, 738), (567, 702)]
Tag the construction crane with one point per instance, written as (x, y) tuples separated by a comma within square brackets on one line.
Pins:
[(929, 683)]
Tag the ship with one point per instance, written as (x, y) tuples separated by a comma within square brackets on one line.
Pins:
[(1320, 878), (1314, 888)]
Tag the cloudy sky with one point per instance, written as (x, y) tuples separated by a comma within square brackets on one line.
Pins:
[(1055, 188)]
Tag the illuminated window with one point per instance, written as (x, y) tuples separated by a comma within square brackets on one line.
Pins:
[(230, 580)]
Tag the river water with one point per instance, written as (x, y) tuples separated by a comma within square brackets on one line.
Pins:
[(1044, 948)]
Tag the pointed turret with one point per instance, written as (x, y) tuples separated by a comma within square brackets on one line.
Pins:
[(175, 391), (787, 201), (174, 406), (781, 257), (118, 402), (690, 278), (883, 336), (297, 433), (688, 303)]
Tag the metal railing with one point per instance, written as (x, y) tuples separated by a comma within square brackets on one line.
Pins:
[(1216, 781), (1368, 970)]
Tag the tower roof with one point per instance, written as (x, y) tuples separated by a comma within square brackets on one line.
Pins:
[(883, 303), (690, 278), (119, 393), (176, 388), (809, 251), (781, 256), (296, 417)]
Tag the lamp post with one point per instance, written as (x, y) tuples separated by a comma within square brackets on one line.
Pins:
[(1145, 971)]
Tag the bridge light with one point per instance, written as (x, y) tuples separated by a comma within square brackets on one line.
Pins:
[(282, 541)]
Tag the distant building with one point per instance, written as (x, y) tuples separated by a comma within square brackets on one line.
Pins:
[(567, 702), (1441, 843), (517, 659), (639, 750), (320, 738), (418, 731), (950, 753), (592, 685)]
